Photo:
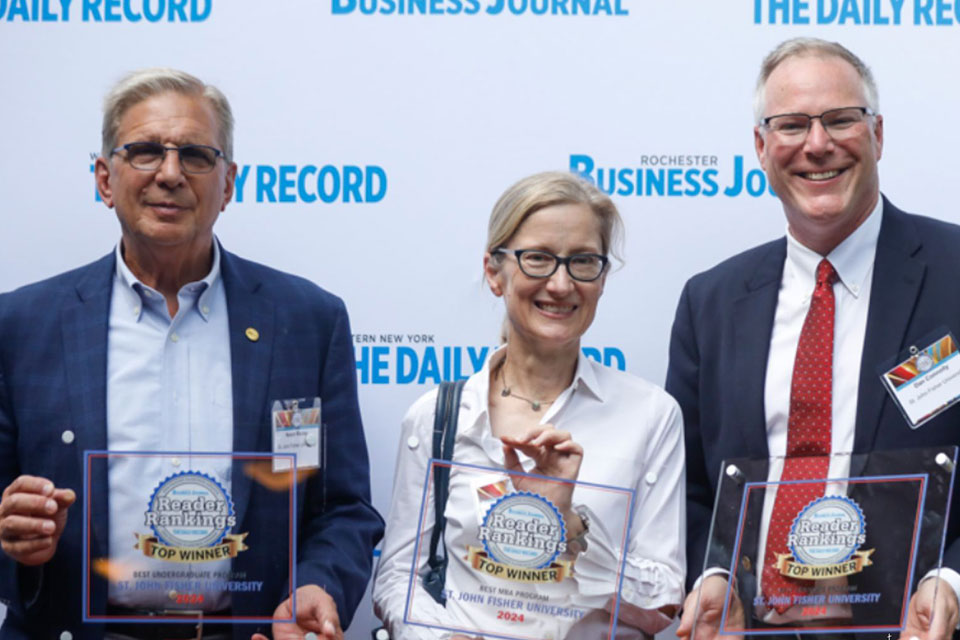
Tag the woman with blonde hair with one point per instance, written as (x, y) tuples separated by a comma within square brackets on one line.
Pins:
[(555, 425)]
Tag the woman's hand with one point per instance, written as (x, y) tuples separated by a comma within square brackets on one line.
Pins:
[(555, 454)]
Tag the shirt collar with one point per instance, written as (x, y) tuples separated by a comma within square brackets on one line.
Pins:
[(852, 259), (476, 391), (200, 294)]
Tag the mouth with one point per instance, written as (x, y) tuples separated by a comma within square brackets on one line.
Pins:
[(168, 208), (821, 176), (554, 308)]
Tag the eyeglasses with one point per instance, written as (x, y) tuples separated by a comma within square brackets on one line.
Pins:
[(148, 156), (839, 123), (585, 267)]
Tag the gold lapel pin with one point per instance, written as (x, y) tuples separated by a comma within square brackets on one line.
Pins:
[(252, 334)]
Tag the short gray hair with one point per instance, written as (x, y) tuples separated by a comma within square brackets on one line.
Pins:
[(812, 47), (146, 83)]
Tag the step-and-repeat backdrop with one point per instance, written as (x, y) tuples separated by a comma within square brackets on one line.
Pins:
[(373, 137)]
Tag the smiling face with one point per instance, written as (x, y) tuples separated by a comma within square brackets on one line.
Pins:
[(549, 314), (828, 186), (166, 209)]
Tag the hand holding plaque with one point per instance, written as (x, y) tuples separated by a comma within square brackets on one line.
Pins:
[(703, 609), (316, 614), (932, 614)]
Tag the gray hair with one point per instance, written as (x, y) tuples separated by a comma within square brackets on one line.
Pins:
[(546, 189), (146, 83), (812, 47)]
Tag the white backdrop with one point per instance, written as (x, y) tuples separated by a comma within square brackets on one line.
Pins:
[(442, 107)]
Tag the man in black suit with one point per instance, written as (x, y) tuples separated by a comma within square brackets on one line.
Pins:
[(877, 279)]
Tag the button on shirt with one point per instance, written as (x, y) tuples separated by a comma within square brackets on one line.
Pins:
[(632, 435), (168, 389)]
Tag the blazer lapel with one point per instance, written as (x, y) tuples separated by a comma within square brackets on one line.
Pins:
[(898, 273), (85, 322), (753, 316), (252, 321)]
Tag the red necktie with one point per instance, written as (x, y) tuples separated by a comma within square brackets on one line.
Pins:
[(808, 432)]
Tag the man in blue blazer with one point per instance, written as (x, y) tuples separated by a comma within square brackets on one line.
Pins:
[(735, 337), (172, 343)]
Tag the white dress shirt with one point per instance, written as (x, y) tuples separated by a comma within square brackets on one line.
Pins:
[(632, 435), (169, 388)]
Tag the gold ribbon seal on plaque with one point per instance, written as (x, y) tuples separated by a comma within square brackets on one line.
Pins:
[(556, 572), (152, 548), (786, 566)]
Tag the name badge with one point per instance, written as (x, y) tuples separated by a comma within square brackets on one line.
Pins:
[(927, 382), (297, 429)]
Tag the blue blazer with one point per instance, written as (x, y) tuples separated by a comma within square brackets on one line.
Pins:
[(721, 339), (53, 368)]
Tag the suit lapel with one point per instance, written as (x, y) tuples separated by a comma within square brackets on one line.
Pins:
[(898, 272), (85, 322), (753, 316), (251, 355)]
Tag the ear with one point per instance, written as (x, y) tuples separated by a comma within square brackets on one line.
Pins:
[(101, 174), (760, 145), (878, 134), (231, 179), (492, 272)]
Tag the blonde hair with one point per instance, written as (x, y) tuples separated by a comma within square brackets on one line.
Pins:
[(546, 189)]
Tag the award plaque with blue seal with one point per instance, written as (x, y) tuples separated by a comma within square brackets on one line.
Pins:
[(513, 568), (834, 554), (206, 538)]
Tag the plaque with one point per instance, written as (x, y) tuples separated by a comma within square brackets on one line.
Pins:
[(514, 569), (841, 554), (176, 540)]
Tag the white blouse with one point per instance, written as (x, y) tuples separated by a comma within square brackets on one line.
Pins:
[(631, 432)]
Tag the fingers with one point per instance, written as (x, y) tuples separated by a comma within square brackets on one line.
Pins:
[(28, 505), (686, 619), (510, 460), (15, 527), (64, 497), (29, 484), (32, 516), (543, 437)]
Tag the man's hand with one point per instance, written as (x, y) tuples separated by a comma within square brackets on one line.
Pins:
[(711, 594), (927, 620), (33, 514), (316, 613), (555, 455)]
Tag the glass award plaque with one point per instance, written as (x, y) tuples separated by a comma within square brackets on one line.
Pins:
[(843, 553), (209, 535), (513, 571)]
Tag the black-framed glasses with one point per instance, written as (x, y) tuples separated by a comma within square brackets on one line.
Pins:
[(148, 156), (838, 123), (536, 263)]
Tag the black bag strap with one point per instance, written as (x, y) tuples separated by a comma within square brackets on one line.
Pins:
[(444, 435)]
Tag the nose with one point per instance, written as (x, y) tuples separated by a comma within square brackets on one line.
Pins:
[(818, 140), (560, 283), (169, 173)]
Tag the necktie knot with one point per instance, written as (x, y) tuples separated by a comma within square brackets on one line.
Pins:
[(826, 274)]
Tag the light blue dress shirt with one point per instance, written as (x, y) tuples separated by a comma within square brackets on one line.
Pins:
[(168, 389)]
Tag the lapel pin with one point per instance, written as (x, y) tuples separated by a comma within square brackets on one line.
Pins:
[(252, 334)]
